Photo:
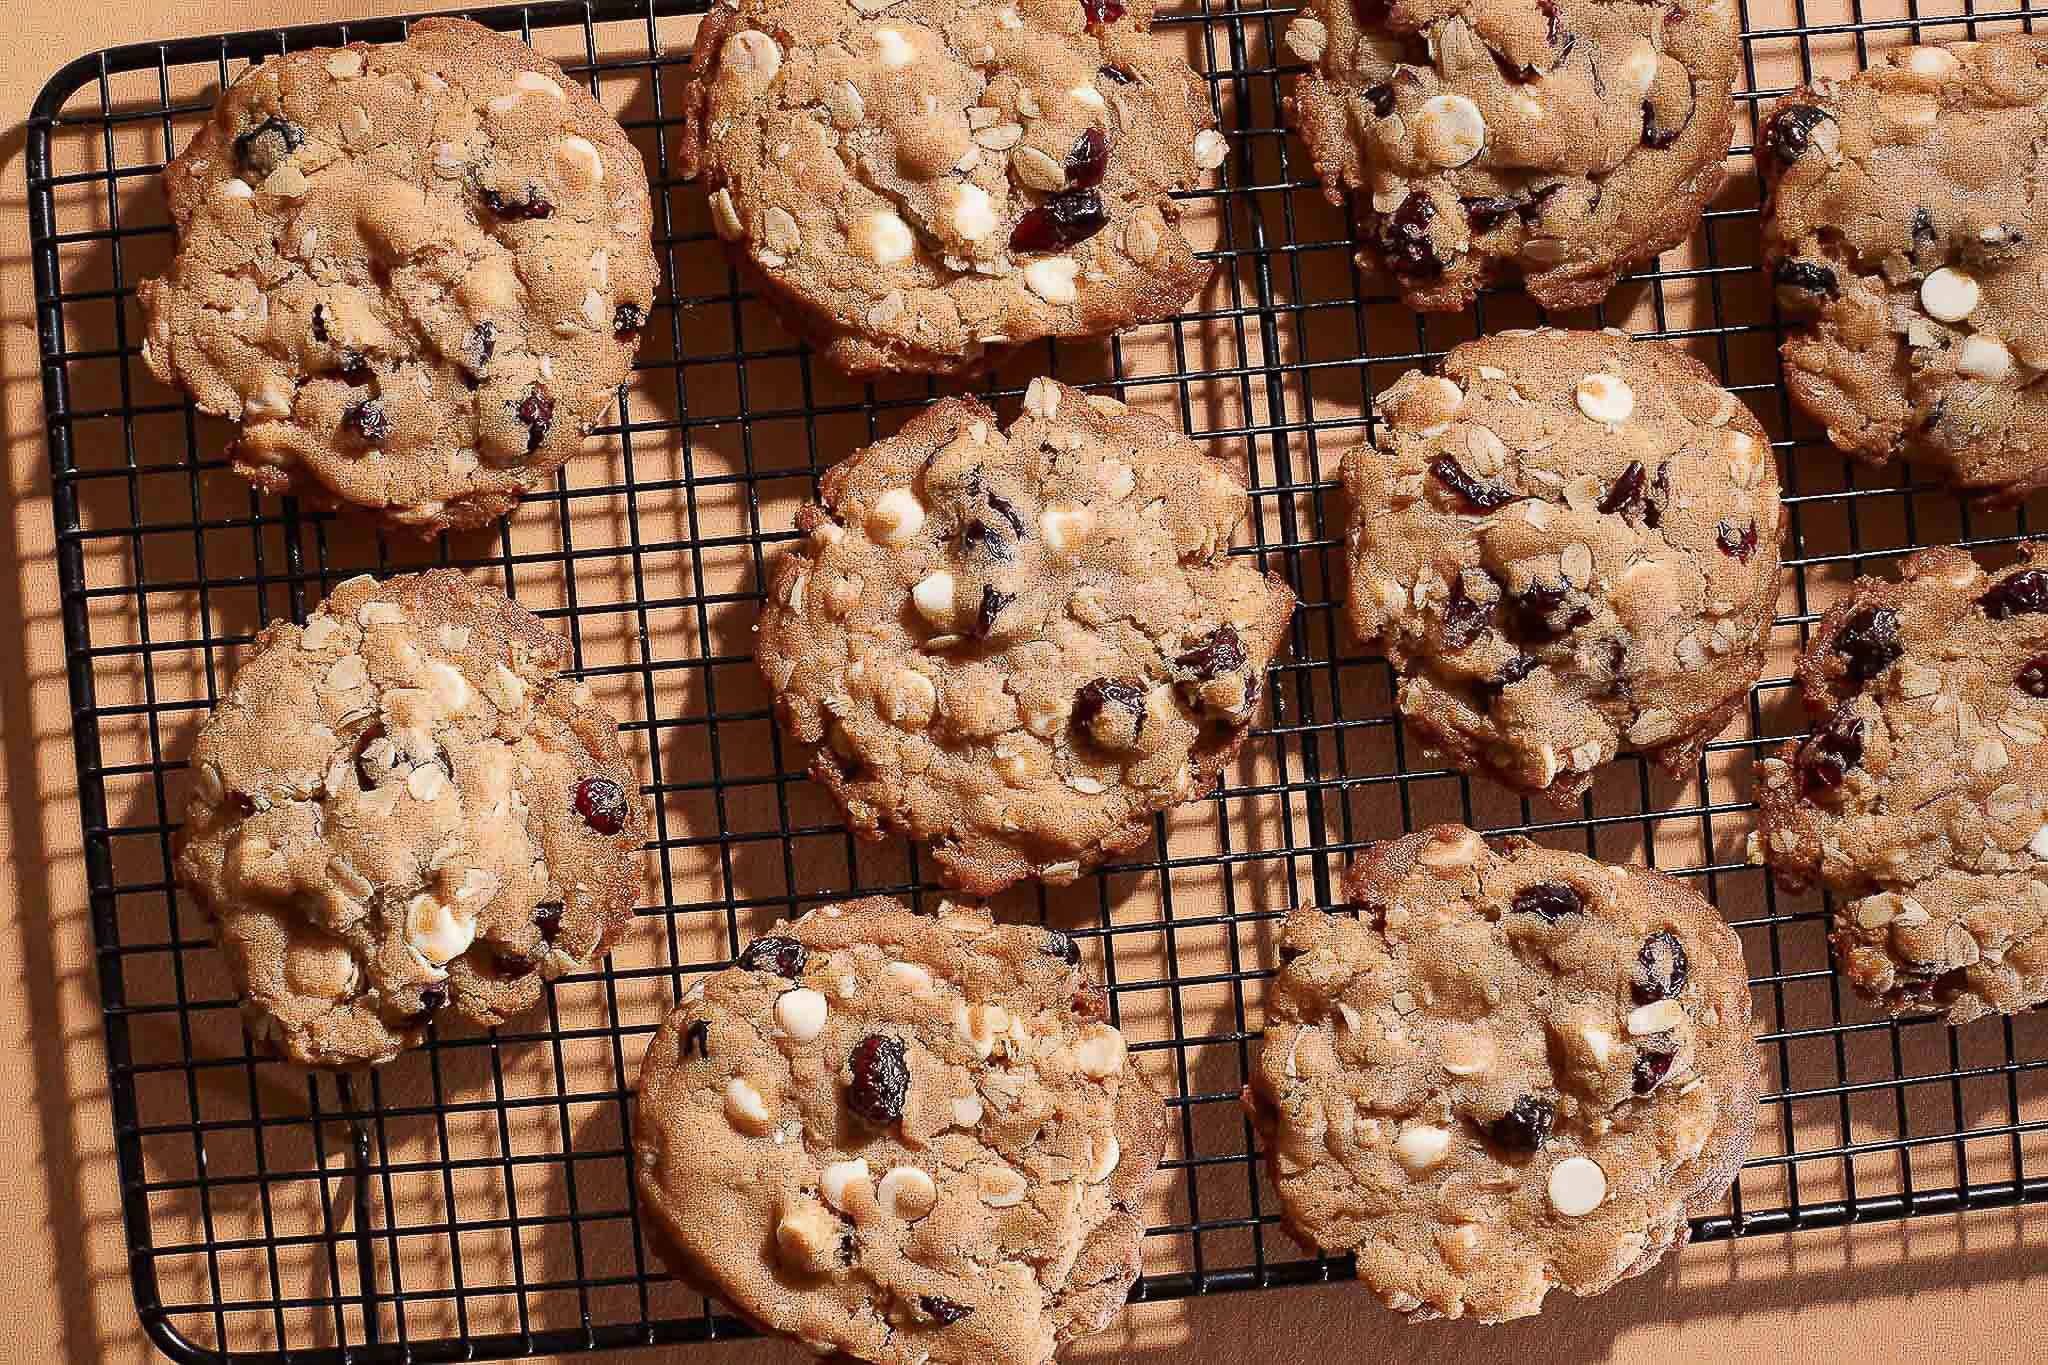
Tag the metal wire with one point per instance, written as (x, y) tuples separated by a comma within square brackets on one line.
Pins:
[(423, 1212)]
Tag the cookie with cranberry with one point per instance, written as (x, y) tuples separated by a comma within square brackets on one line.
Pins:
[(1021, 644), (921, 185), (1921, 798), (1902, 226), (1502, 1069), (1561, 140), (402, 807), (1566, 543), (901, 1138), (415, 273)]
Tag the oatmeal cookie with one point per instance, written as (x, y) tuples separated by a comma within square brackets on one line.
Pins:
[(1904, 227), (1018, 645), (901, 1137), (1921, 799), (1562, 139), (402, 807), (1503, 1069), (415, 273), (918, 184), (1565, 543)]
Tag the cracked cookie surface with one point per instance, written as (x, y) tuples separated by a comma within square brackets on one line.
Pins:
[(1903, 224), (1018, 645), (1921, 799), (1512, 1069), (402, 807), (920, 184), (414, 273), (1561, 139), (1565, 543), (901, 1137)]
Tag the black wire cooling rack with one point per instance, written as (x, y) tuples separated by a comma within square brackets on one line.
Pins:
[(474, 1201)]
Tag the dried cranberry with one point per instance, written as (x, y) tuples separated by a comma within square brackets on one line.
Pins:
[(1118, 74), (1102, 11), (943, 1311), (1007, 510), (355, 368), (1514, 75), (2021, 594), (242, 804), (536, 412), (1465, 617), (547, 917), (1805, 277), (1737, 541), (264, 148), (1404, 238), (1539, 611), (1925, 233), (507, 966), (1061, 946), (1217, 653), (1551, 901), (1087, 159), (697, 1037), (478, 347), (1479, 495), (1626, 493), (320, 322), (1526, 1125), (2033, 679), (1659, 495), (1657, 135), (367, 420), (627, 320), (880, 1078), (775, 953), (1109, 709), (1650, 1070), (1532, 208), (992, 605), (1868, 643), (433, 998), (1790, 131), (602, 804), (1661, 968), (1066, 218), (1381, 98), (1486, 212), (1828, 756), (534, 205), (1513, 671)]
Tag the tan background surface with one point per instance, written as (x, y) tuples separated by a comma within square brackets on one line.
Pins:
[(1935, 1289)]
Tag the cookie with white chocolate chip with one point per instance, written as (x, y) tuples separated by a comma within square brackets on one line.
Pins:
[(1018, 645), (901, 1137), (402, 807), (1902, 226), (414, 273), (1921, 799), (1563, 140), (918, 185), (1566, 543), (1503, 1069)]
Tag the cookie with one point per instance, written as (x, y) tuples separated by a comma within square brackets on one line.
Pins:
[(1564, 140), (918, 185), (1565, 543), (1921, 799), (414, 273), (900, 1137), (1503, 1069), (402, 807), (1902, 226), (1018, 645)]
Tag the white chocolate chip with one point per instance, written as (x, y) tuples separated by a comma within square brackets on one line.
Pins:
[(1449, 856), (753, 56), (508, 689), (534, 83), (1211, 149), (933, 596), (1639, 67), (1307, 38), (913, 698), (1931, 61), (894, 48), (805, 1237), (1449, 130), (345, 63), (1100, 1052), (745, 1109), (1949, 294), (1659, 1016), (349, 673), (883, 237), (320, 632), (974, 215), (1086, 95), (1065, 526), (287, 182), (237, 189), (896, 516), (967, 1111), (1577, 1186), (724, 217), (426, 782), (1604, 398), (1104, 1151), (2038, 845), (582, 153), (1468, 1054), (1984, 357), (801, 1013), (1042, 398), (910, 977), (1052, 278), (907, 1193), (999, 1187), (1421, 1147), (840, 1179), (435, 931), (1599, 1043)]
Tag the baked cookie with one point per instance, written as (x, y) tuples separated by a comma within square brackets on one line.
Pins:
[(1921, 799), (1019, 645), (1903, 225), (402, 807), (1566, 542), (415, 273), (1562, 139), (901, 1137), (918, 184), (1506, 1069)]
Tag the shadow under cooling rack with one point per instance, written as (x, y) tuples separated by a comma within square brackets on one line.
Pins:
[(475, 1200)]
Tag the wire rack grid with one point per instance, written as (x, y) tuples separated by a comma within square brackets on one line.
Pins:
[(474, 1201)]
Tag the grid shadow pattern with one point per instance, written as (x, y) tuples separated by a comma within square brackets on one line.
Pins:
[(474, 1201)]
